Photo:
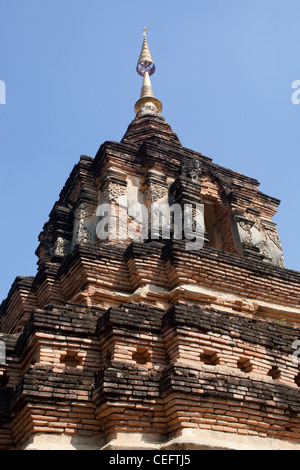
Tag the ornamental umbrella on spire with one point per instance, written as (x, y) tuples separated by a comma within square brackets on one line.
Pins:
[(147, 104), (145, 62)]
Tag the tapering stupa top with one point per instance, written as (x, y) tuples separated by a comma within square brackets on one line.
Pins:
[(147, 104), (145, 62)]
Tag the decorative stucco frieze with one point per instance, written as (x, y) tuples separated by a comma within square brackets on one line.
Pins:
[(154, 187), (156, 191), (114, 185), (112, 191)]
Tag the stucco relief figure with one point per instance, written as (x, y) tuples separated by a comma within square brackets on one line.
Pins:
[(82, 212), (251, 234), (83, 222), (82, 234), (275, 247), (273, 235), (61, 247), (246, 227), (191, 168)]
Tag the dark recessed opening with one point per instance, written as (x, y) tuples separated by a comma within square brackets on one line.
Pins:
[(70, 359), (212, 227), (244, 364), (209, 357), (4, 379), (141, 356), (274, 372), (107, 356)]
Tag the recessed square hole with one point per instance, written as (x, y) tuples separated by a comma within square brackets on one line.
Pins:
[(141, 356), (274, 372), (71, 359), (244, 364), (209, 357), (297, 380)]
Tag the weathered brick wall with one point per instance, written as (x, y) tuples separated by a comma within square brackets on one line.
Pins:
[(142, 369), (123, 336)]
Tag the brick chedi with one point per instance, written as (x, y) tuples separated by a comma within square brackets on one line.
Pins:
[(138, 342)]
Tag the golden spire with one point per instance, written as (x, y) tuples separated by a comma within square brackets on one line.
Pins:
[(147, 104)]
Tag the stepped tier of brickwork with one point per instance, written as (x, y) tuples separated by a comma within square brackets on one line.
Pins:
[(135, 369), (122, 343)]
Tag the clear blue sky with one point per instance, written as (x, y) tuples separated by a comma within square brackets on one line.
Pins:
[(224, 76)]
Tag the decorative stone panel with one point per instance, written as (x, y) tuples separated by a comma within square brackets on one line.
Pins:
[(154, 187), (84, 225), (191, 167), (114, 185), (256, 237)]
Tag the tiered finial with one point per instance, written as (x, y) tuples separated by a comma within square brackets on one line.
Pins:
[(147, 104), (145, 62)]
